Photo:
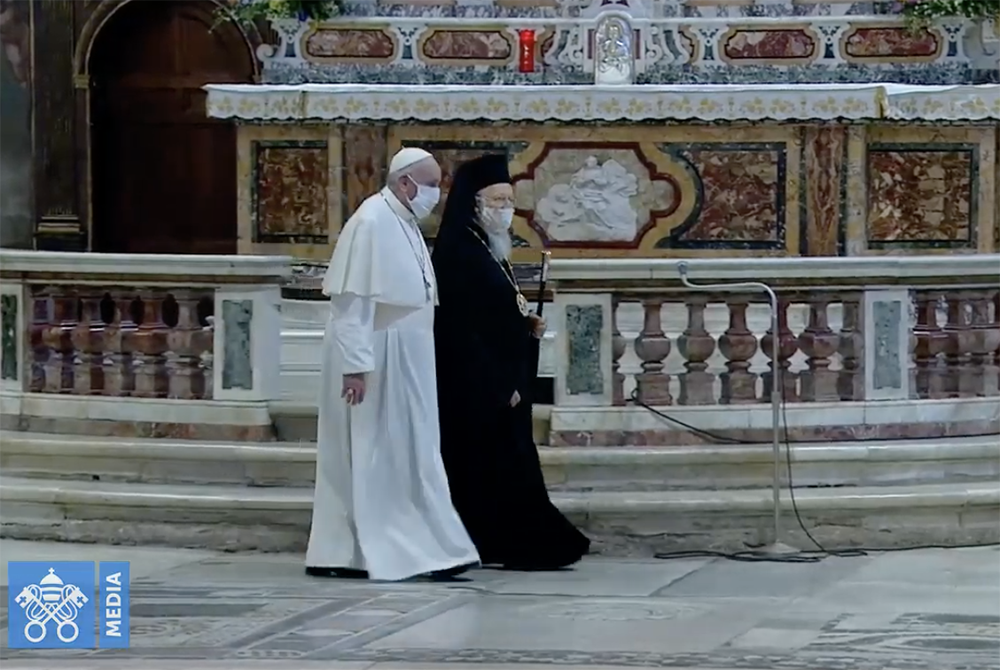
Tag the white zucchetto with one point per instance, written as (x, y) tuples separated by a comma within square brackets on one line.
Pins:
[(406, 157)]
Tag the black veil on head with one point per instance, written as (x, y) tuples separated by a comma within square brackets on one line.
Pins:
[(460, 207)]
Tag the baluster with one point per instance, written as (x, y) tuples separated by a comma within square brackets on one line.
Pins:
[(738, 344), (851, 346), (88, 342), (151, 380), (111, 357), (126, 358), (186, 378), (41, 317), (996, 336), (617, 351), (205, 343), (819, 343), (787, 346), (981, 353), (911, 352), (931, 342), (652, 346), (58, 338), (696, 345), (959, 377)]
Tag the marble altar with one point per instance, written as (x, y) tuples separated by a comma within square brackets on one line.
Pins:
[(678, 170)]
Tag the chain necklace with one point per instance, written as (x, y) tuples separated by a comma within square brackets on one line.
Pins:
[(418, 254), (508, 272)]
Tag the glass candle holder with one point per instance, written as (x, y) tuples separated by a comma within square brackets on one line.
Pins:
[(526, 50)]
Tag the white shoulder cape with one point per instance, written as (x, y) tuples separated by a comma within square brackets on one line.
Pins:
[(373, 259)]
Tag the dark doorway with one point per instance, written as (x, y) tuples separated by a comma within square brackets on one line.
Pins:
[(164, 175)]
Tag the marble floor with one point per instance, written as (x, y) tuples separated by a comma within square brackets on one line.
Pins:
[(921, 610)]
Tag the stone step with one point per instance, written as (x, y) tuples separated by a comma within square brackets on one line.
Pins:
[(295, 421), (165, 461), (623, 523)]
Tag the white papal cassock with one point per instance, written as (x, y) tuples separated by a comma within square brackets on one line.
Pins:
[(382, 502)]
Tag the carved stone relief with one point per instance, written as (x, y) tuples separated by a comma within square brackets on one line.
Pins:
[(595, 206)]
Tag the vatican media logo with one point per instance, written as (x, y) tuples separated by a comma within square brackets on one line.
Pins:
[(56, 605)]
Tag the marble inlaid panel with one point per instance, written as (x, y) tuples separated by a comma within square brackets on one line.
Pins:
[(922, 193), (584, 324), (754, 46), (331, 45), (365, 162), (891, 44), (8, 337), (237, 348), (290, 191), (887, 344), (856, 201), (467, 46), (742, 194), (824, 190), (887, 373)]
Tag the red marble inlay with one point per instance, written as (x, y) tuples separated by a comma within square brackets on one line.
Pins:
[(892, 42), (291, 192), (824, 166), (919, 195), (350, 43), (740, 198), (467, 45), (769, 45)]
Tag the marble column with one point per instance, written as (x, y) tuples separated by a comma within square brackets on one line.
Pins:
[(16, 218)]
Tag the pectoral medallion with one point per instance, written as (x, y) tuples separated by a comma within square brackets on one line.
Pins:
[(522, 304)]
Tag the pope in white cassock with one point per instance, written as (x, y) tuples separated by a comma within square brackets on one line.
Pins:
[(382, 507)]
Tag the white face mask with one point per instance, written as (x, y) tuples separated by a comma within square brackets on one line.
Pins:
[(497, 218), (424, 202)]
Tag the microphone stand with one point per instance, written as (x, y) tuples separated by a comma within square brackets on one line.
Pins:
[(777, 548)]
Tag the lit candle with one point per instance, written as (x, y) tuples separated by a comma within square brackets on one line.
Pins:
[(526, 57)]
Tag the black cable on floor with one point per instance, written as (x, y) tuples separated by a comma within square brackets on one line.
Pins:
[(751, 555)]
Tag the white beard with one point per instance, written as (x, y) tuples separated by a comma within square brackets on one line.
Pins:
[(500, 244)]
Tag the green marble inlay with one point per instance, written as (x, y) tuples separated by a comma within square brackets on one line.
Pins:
[(583, 334), (8, 336), (887, 372), (237, 360)]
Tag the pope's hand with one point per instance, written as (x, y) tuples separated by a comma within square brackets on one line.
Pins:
[(515, 399), (354, 389), (537, 325)]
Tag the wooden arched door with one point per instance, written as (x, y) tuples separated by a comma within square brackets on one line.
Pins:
[(164, 175)]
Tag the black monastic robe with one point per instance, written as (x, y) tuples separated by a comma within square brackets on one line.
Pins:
[(483, 347)]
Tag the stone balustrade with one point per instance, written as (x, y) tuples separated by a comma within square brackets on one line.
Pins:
[(851, 332), (114, 342)]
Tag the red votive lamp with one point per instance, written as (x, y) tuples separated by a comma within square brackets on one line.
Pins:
[(526, 53)]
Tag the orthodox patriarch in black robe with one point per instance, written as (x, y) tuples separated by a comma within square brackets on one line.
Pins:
[(485, 348)]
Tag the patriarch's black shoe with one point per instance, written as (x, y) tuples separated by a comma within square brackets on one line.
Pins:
[(340, 573), (541, 567), (450, 574)]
